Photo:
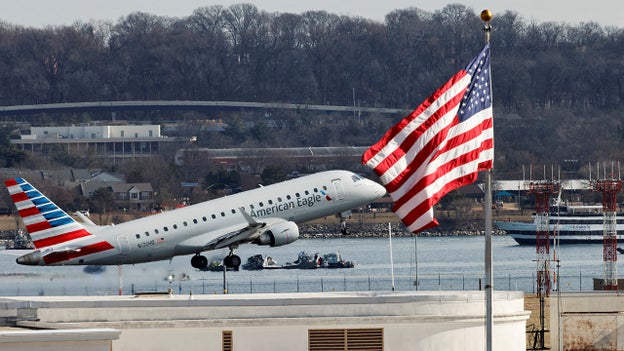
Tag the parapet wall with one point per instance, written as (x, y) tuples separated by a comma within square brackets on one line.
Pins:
[(407, 320)]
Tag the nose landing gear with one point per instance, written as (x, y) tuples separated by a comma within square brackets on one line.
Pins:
[(343, 223)]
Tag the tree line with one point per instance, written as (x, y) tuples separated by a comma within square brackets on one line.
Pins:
[(243, 53), (553, 82)]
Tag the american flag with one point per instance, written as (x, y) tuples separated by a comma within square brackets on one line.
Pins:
[(439, 147)]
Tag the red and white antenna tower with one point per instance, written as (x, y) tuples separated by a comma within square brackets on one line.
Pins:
[(542, 191), (609, 189)]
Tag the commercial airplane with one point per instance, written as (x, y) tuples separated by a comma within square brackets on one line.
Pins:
[(267, 215)]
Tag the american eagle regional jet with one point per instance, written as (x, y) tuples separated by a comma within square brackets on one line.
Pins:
[(264, 216)]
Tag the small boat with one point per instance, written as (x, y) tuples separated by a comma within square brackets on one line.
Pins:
[(253, 263), (334, 260), (304, 261), (270, 263), (257, 262), (217, 266)]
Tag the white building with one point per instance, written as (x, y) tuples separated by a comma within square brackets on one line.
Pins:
[(98, 141), (375, 321)]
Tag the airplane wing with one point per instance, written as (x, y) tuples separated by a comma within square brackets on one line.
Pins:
[(250, 232)]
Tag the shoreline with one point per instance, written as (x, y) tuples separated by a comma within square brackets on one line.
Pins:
[(362, 224), (371, 230)]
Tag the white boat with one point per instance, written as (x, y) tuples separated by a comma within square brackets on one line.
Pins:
[(570, 224)]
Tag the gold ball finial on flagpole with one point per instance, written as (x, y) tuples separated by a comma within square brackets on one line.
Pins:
[(486, 15)]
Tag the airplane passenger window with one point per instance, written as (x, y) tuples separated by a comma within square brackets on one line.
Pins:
[(195, 220), (166, 229), (270, 202), (156, 231), (261, 204), (307, 192), (213, 216), (146, 233), (184, 223), (297, 195), (233, 211), (325, 187), (205, 219), (288, 197), (138, 236), (175, 226), (222, 214), (251, 206), (279, 199), (315, 190)]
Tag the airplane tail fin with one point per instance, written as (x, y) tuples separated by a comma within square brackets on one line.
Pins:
[(46, 223)]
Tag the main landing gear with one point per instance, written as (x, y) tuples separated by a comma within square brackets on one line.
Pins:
[(230, 261), (199, 261)]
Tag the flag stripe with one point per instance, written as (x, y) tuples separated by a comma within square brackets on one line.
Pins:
[(419, 146), (443, 174), (440, 146), (433, 162)]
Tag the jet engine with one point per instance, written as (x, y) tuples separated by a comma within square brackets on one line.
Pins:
[(278, 234)]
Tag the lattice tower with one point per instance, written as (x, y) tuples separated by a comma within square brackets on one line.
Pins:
[(609, 190), (542, 192)]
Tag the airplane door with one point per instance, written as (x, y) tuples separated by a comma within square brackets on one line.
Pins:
[(124, 245), (338, 190)]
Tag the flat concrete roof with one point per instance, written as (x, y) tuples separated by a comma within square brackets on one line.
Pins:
[(282, 321), (88, 309)]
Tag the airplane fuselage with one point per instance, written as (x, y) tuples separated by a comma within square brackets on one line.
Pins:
[(221, 223)]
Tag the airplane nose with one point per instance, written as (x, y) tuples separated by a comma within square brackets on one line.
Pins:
[(378, 189)]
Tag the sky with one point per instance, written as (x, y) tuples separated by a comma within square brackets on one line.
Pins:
[(42, 13)]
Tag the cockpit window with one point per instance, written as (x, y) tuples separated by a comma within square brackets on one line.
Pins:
[(356, 178)]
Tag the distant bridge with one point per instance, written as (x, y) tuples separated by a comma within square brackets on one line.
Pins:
[(182, 105)]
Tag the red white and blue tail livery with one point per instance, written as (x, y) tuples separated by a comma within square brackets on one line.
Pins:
[(56, 235), (264, 216)]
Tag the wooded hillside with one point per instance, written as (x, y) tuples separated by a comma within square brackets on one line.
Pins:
[(558, 88)]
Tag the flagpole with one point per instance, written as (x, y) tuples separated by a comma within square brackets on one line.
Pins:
[(486, 16)]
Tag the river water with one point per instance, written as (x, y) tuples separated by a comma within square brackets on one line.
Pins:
[(440, 263)]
